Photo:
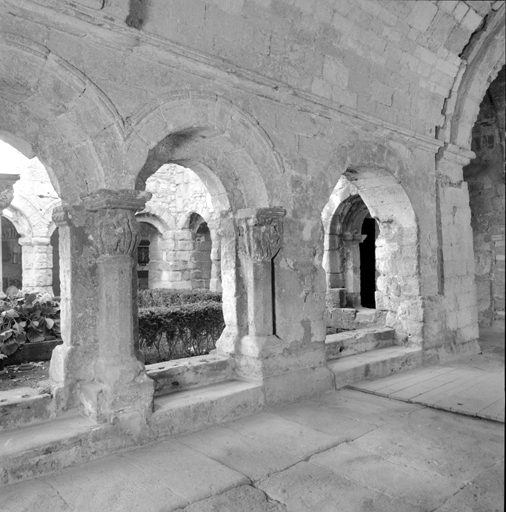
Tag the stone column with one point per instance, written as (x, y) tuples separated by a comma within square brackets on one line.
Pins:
[(260, 239), (234, 294), (72, 362), (122, 389), (6, 196), (215, 281), (37, 264)]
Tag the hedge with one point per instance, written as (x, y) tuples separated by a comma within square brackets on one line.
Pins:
[(180, 330), (163, 297)]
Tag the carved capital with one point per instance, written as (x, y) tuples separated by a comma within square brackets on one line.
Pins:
[(260, 232), (61, 215), (112, 222), (6, 190)]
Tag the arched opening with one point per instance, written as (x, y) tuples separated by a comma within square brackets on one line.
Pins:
[(29, 265), (369, 233), (351, 254), (148, 257), (12, 271), (370, 258), (180, 223), (485, 177), (200, 260)]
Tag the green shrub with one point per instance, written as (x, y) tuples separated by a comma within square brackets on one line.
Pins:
[(27, 317), (164, 297), (177, 331)]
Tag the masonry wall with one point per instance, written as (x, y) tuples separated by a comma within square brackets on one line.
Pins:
[(485, 177), (175, 261), (269, 103)]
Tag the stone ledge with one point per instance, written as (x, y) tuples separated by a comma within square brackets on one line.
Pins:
[(22, 406), (191, 410), (190, 372), (375, 364), (53, 445), (354, 342)]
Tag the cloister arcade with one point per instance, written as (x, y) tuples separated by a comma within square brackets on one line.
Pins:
[(336, 190)]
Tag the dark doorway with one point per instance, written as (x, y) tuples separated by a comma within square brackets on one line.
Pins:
[(368, 264)]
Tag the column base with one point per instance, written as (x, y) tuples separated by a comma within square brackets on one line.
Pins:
[(287, 372), (63, 376), (120, 397)]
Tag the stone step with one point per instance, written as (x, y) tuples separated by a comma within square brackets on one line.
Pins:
[(190, 372), (355, 342), (353, 318), (33, 450), (375, 364), (23, 406), (191, 410)]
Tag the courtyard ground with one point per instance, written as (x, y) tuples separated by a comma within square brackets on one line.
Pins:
[(345, 450)]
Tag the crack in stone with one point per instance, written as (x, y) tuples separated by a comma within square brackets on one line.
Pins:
[(60, 496)]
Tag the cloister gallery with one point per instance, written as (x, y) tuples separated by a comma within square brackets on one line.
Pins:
[(328, 166)]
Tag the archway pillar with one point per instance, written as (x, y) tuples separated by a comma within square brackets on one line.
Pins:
[(37, 263), (72, 361), (235, 308), (121, 388), (260, 239), (456, 265), (215, 281)]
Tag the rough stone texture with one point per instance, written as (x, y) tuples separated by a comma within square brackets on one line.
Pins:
[(30, 212), (240, 499), (270, 104), (485, 178), (190, 372), (180, 257)]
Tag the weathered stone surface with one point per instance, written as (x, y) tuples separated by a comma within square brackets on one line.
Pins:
[(190, 372), (240, 499), (301, 120)]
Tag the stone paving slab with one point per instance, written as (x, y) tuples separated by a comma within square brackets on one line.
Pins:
[(438, 442), (472, 385), (309, 487), (402, 458), (291, 437), (485, 493), (407, 484), (185, 471), (240, 499), (320, 418), (114, 484), (249, 456)]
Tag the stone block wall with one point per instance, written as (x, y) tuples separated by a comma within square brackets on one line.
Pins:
[(395, 60), (269, 102), (180, 258), (30, 212), (485, 178)]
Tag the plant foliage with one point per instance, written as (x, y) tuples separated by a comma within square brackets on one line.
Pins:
[(163, 297), (179, 330), (27, 318)]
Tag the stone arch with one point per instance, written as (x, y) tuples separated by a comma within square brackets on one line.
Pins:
[(371, 171), (223, 144), (484, 61), (186, 219), (51, 109), (21, 220), (150, 218)]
